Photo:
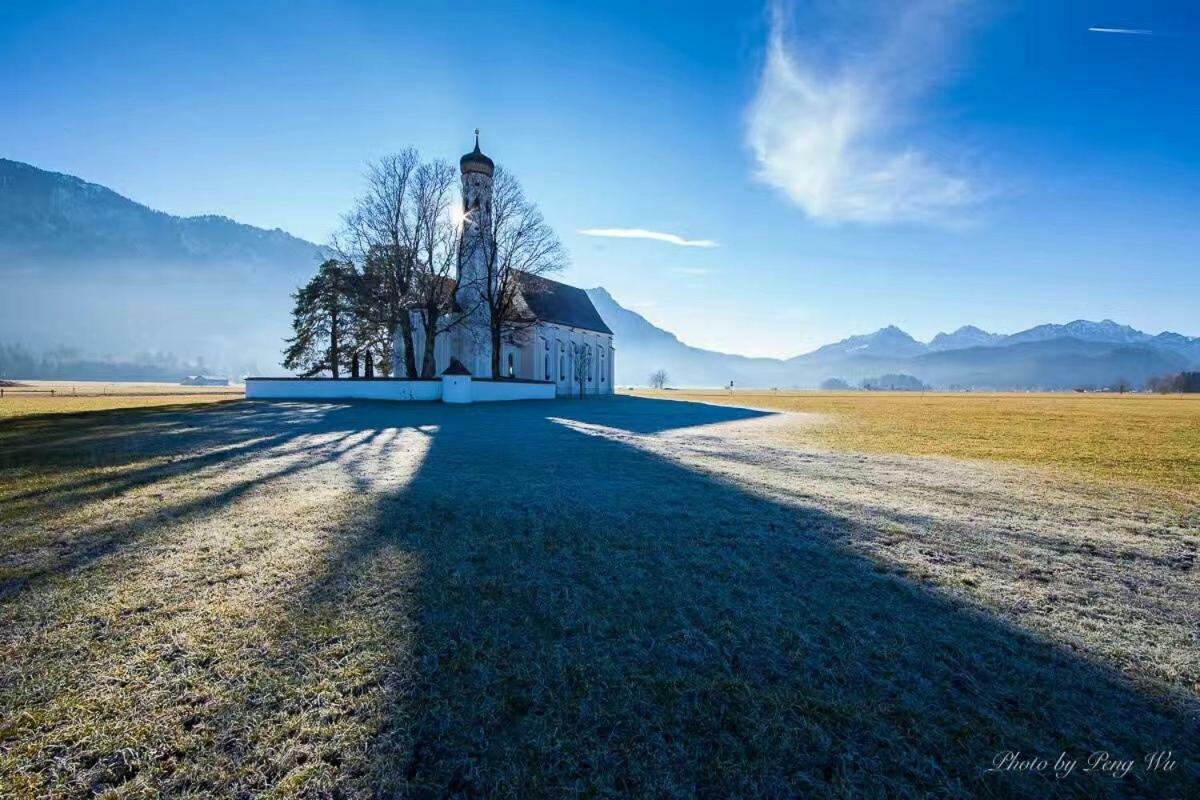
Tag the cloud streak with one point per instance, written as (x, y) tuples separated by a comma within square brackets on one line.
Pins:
[(825, 124), (641, 233), (1127, 31)]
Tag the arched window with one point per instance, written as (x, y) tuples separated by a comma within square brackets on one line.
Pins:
[(562, 362), (546, 358), (510, 365), (603, 372), (589, 362)]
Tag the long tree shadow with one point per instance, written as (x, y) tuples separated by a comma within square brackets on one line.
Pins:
[(113, 454), (593, 619)]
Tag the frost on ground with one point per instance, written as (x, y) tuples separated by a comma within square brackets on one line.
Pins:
[(608, 597)]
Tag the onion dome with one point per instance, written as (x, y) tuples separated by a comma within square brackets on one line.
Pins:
[(476, 161)]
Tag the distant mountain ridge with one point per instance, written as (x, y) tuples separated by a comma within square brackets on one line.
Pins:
[(966, 336), (1079, 353), (57, 218)]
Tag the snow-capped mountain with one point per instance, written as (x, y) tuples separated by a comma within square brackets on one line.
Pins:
[(1084, 330), (889, 342), (966, 336)]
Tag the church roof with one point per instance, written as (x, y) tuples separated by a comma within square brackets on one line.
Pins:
[(551, 301), (456, 368)]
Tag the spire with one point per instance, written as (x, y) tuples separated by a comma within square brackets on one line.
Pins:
[(477, 140)]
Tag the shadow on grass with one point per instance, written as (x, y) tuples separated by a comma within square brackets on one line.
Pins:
[(594, 619), (590, 618)]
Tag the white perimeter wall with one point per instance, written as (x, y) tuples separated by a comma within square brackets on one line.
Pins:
[(326, 389), (485, 391)]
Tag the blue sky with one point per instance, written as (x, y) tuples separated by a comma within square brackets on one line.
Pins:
[(929, 164)]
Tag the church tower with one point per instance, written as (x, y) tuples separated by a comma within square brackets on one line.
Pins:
[(477, 172)]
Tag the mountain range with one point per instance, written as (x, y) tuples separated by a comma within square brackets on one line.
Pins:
[(1079, 353), (86, 268)]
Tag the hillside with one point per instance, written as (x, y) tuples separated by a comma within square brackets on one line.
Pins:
[(47, 218), (88, 269)]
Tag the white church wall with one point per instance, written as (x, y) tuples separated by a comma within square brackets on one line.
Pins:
[(562, 370)]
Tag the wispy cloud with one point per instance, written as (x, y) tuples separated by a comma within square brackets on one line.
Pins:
[(1128, 31), (825, 124), (640, 233)]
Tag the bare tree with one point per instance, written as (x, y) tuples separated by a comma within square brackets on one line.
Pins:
[(659, 379), (1122, 385), (581, 366), (516, 243), (404, 234), (440, 250), (380, 234)]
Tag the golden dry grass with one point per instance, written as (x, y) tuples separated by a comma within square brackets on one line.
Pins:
[(1145, 440), (32, 398)]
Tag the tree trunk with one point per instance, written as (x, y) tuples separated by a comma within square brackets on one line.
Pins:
[(334, 355), (428, 362), (406, 340), (496, 352)]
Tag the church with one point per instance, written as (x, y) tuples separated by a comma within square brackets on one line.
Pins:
[(563, 327)]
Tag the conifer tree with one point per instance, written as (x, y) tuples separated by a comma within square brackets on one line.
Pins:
[(323, 321)]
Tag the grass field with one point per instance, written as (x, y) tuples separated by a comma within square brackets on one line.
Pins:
[(72, 397), (604, 598), (1147, 440)]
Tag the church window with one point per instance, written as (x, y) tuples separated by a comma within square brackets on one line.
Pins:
[(603, 352), (562, 362), (546, 358), (589, 362), (510, 365)]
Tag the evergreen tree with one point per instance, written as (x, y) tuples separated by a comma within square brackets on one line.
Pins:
[(324, 323)]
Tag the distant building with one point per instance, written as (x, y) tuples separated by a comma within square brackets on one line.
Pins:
[(567, 325), (204, 380)]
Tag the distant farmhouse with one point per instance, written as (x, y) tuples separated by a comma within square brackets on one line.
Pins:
[(204, 380), (564, 325)]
